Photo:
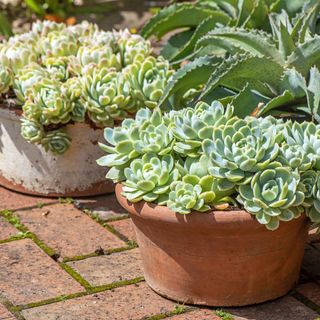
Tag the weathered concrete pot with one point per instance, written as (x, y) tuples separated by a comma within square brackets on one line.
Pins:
[(28, 168), (216, 259)]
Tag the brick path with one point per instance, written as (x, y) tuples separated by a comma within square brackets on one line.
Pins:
[(78, 260)]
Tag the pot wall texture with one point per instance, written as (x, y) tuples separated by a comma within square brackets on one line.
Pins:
[(28, 168)]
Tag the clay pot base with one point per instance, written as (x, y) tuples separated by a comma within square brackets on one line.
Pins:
[(220, 258), (100, 188)]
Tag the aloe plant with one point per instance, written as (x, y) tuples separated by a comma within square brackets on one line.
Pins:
[(260, 73), (60, 74), (197, 19)]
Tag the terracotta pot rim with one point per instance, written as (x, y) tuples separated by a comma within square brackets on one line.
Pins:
[(234, 218)]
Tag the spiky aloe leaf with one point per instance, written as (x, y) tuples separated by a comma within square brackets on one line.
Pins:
[(190, 76), (305, 56), (252, 41), (180, 15), (186, 50), (261, 74)]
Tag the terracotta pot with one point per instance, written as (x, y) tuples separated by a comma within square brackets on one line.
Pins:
[(221, 258), (28, 168)]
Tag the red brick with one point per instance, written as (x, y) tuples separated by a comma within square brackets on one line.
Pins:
[(68, 231), (28, 275), (6, 230), (5, 314), (311, 291), (200, 314), (124, 227), (104, 207), (14, 201), (115, 267), (130, 302), (286, 308)]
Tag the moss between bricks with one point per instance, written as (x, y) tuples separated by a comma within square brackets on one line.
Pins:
[(224, 315), (310, 304)]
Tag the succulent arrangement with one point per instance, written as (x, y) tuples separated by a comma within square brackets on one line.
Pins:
[(205, 157), (61, 74)]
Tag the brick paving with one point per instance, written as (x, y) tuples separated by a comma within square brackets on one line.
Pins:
[(79, 261)]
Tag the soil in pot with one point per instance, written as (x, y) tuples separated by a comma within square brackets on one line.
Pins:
[(221, 258)]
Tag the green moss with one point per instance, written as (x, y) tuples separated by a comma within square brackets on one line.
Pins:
[(40, 205), (310, 304), (67, 200), (76, 276), (224, 315), (178, 309)]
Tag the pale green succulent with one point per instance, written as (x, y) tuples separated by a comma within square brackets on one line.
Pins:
[(311, 181), (106, 96), (59, 44), (149, 178), (56, 141), (6, 79), (146, 134), (307, 136), (132, 48), (47, 95), (43, 28), (273, 195), (239, 149), (32, 131), (192, 125), (101, 56), (26, 78), (17, 56), (58, 68), (148, 80)]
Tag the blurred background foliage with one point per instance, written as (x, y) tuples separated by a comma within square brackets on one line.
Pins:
[(17, 15)]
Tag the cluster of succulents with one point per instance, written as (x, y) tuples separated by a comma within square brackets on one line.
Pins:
[(62, 74), (207, 158)]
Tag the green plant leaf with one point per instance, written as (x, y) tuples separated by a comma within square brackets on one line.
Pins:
[(181, 15), (35, 6), (5, 27)]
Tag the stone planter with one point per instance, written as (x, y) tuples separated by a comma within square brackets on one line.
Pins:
[(222, 258), (28, 168)]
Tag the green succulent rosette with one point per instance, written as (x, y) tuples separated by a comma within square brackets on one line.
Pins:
[(17, 56), (58, 68), (148, 80), (238, 149), (32, 131), (43, 28), (107, 96), (145, 134), (149, 178), (57, 141), (273, 195), (191, 126), (47, 95), (59, 44), (311, 181), (307, 136), (99, 55), (132, 48), (6, 79), (26, 78)]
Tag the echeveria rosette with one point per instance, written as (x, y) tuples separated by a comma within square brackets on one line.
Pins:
[(135, 137), (17, 56), (43, 28), (59, 44), (237, 150), (26, 78), (307, 136), (6, 79), (32, 131), (107, 96), (273, 195), (149, 178), (55, 107), (191, 126), (148, 80), (311, 181), (57, 141), (58, 68)]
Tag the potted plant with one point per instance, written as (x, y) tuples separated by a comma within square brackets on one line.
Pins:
[(60, 86), (221, 205)]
